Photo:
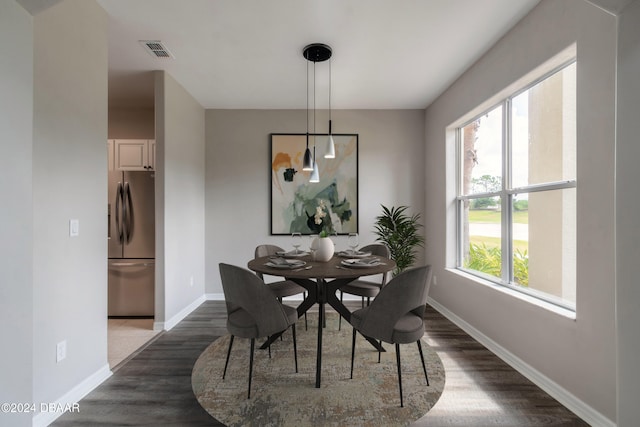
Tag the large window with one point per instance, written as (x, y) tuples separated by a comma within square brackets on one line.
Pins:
[(517, 191)]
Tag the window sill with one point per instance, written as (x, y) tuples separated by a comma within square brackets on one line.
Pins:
[(561, 311)]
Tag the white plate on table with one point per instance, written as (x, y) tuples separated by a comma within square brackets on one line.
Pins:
[(352, 254), (287, 264), (361, 263), (292, 254)]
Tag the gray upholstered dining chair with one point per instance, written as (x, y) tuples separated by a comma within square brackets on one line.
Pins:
[(253, 312), (364, 288), (281, 288), (395, 316)]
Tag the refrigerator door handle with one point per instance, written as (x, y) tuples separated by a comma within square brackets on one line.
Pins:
[(132, 264), (128, 212), (119, 213)]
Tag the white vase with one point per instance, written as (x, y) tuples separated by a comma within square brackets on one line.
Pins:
[(322, 248)]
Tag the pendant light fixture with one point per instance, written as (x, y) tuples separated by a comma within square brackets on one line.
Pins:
[(315, 174), (316, 52), (331, 146), (307, 162)]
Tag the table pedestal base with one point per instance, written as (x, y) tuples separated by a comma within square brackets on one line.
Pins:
[(322, 292)]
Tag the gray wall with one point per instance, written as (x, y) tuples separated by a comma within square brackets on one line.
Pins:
[(627, 208), (16, 226), (577, 355), (180, 200), (238, 180), (69, 181)]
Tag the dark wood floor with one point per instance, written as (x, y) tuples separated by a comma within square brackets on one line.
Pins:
[(154, 387)]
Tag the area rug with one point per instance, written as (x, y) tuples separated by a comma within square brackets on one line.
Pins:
[(281, 397)]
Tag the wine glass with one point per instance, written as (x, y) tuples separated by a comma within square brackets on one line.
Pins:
[(297, 240), (353, 241), (334, 238), (312, 238)]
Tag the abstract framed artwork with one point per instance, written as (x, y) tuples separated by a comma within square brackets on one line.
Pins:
[(298, 205)]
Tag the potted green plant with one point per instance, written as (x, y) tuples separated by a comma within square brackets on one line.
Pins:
[(400, 233)]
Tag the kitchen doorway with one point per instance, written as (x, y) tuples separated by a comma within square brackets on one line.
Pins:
[(127, 337), (131, 227)]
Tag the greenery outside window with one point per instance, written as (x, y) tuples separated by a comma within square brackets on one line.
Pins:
[(516, 190)]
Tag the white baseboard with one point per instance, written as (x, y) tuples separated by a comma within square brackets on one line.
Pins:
[(43, 419), (577, 406), (169, 324)]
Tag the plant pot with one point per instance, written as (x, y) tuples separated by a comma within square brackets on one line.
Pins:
[(322, 249)]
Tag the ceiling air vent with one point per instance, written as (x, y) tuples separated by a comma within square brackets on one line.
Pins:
[(156, 49)]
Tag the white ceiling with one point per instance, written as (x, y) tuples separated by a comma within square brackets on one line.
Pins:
[(248, 53)]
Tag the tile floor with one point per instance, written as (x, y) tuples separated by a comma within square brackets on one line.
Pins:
[(126, 336)]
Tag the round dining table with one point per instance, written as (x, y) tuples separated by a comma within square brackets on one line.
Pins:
[(322, 280)]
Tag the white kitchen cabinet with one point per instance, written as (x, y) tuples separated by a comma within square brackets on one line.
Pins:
[(134, 154)]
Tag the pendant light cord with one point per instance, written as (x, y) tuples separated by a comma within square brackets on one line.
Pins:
[(314, 106), (307, 104)]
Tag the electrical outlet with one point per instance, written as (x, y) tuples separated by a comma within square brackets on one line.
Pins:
[(191, 281), (61, 351), (435, 280)]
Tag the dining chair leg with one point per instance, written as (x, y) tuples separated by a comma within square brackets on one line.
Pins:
[(353, 350), (399, 373), (279, 300), (340, 317), (295, 346), (306, 326), (228, 354), (424, 368), (379, 352), (253, 344)]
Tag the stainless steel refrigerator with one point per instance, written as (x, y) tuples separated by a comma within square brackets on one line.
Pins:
[(131, 215)]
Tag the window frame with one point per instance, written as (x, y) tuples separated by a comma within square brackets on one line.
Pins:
[(506, 194)]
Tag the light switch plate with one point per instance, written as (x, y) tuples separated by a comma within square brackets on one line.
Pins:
[(61, 351), (74, 227)]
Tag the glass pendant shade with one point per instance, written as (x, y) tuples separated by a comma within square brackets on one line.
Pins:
[(307, 163), (331, 148), (315, 175)]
